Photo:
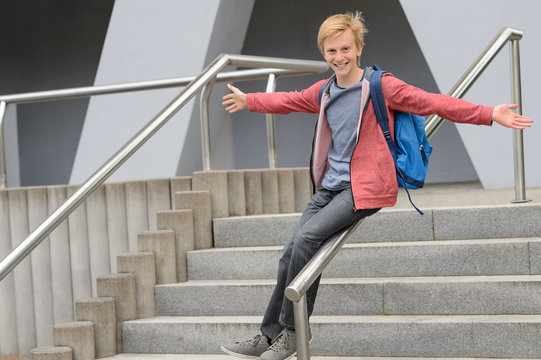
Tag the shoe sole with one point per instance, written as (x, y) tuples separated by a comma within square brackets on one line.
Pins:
[(243, 356), (290, 356), (294, 354), (239, 355)]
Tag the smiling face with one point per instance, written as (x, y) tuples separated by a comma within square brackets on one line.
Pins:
[(342, 54)]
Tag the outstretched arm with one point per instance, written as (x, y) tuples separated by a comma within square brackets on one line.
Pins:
[(280, 102), (235, 101), (407, 98), (503, 115)]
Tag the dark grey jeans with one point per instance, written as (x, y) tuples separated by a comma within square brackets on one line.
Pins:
[(327, 213)]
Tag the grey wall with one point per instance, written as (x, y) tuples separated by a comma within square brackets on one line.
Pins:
[(48, 45), (296, 37), (228, 32), (452, 35), (146, 42), (59, 44)]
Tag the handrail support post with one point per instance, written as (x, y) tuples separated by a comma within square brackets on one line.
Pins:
[(302, 328), (518, 141), (3, 171), (271, 130), (205, 124)]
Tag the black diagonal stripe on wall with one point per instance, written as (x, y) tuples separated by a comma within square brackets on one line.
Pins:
[(50, 45)]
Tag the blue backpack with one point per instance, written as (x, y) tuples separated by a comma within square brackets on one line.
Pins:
[(411, 150)]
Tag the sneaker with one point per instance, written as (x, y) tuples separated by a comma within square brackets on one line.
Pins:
[(283, 347), (247, 349)]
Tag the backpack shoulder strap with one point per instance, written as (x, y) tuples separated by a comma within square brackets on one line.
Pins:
[(378, 102), (326, 87), (368, 72)]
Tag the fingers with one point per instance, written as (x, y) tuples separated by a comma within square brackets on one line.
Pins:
[(232, 88), (504, 115), (232, 94), (234, 101), (227, 100), (521, 122), (523, 119), (231, 106)]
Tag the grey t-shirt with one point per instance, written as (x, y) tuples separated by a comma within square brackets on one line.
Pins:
[(343, 110)]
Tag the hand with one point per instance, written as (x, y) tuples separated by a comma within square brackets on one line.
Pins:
[(503, 115), (235, 101)]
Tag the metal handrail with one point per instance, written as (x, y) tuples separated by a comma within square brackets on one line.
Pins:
[(296, 291), (433, 122), (111, 165), (311, 67)]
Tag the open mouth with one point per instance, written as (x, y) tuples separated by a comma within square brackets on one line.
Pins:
[(340, 66)]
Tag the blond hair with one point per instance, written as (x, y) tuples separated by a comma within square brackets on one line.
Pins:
[(336, 24)]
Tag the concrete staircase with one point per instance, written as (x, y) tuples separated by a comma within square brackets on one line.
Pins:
[(460, 282), (454, 283)]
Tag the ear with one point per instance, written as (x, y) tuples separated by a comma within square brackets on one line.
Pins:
[(358, 55), (359, 51)]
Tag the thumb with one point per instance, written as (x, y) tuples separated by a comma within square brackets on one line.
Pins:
[(512, 106)]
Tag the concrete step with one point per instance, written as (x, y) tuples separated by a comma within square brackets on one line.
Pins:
[(228, 357), (393, 225), (520, 256), (505, 336), (362, 296)]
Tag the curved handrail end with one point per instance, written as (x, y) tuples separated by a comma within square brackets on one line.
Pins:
[(292, 294), (514, 34)]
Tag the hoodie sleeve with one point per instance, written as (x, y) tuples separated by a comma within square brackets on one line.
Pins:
[(306, 100), (403, 97)]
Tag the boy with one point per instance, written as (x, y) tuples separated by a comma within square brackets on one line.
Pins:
[(352, 169)]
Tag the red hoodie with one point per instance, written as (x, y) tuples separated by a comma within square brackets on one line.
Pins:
[(373, 176)]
